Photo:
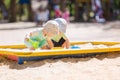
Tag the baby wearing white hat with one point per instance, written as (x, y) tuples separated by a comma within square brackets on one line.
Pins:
[(42, 38), (61, 40)]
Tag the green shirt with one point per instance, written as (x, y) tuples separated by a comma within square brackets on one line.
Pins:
[(37, 39), (58, 37)]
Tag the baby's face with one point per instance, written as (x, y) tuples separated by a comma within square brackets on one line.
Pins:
[(50, 34)]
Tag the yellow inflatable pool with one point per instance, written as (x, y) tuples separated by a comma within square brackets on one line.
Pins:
[(20, 54)]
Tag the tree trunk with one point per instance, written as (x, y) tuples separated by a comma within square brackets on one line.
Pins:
[(76, 10), (12, 11), (63, 4), (30, 12)]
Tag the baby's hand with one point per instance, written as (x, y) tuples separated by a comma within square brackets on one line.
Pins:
[(32, 48), (30, 34), (26, 39)]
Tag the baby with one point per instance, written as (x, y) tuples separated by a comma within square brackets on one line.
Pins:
[(42, 38), (61, 40)]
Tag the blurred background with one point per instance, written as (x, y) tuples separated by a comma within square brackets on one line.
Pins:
[(89, 20), (40, 11)]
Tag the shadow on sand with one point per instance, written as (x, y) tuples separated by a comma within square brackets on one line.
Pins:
[(31, 64)]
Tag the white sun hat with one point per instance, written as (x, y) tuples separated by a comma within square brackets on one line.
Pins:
[(62, 24), (51, 26)]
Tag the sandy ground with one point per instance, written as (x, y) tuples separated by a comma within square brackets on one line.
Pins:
[(101, 67)]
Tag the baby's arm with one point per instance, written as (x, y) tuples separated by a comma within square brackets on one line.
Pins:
[(66, 44), (50, 44), (29, 43)]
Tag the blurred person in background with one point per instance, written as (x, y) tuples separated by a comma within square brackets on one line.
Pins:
[(97, 8), (3, 10), (66, 14), (41, 15), (57, 11), (22, 6)]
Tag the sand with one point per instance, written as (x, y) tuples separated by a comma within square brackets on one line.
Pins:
[(100, 67)]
